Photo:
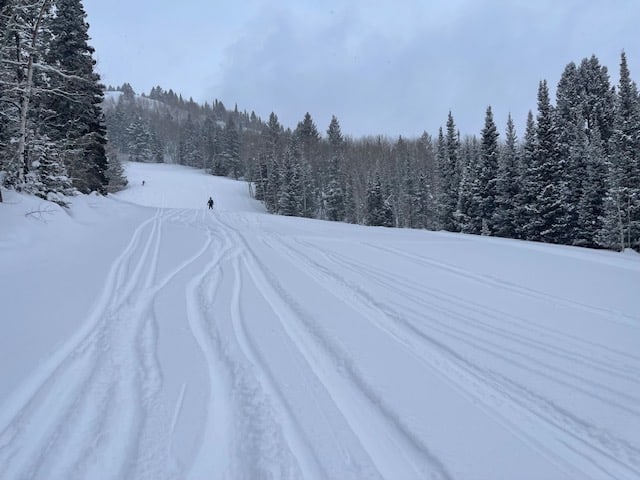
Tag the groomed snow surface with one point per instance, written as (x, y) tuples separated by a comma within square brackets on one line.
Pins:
[(143, 336)]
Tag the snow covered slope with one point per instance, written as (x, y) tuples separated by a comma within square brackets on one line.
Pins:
[(146, 337)]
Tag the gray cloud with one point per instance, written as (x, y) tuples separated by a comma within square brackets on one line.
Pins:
[(381, 67)]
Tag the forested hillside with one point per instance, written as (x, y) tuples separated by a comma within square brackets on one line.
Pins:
[(572, 177)]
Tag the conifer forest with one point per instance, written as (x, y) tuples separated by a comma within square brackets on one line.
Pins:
[(572, 177)]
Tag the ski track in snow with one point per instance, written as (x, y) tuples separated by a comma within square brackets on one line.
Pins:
[(375, 425), (611, 315), (285, 396), (242, 439), (95, 402), (577, 444)]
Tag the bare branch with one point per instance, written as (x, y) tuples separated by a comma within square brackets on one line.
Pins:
[(41, 213), (50, 69)]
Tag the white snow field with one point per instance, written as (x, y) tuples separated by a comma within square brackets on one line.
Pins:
[(143, 336)]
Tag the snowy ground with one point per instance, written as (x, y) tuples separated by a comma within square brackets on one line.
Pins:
[(143, 336)]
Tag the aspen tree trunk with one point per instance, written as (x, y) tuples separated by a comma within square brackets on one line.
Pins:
[(26, 95)]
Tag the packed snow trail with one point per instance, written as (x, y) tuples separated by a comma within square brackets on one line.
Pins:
[(238, 345)]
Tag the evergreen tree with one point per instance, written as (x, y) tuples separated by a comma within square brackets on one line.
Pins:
[(309, 200), (350, 207), (621, 223), (190, 147), (335, 201), (291, 196), (116, 177), (156, 148), (597, 101), (309, 138), (47, 177), (527, 201), (425, 213), (79, 119), (488, 171), (426, 158), (209, 134), (570, 146), (550, 224), (231, 149), (591, 202), (449, 176), (334, 195), (378, 211), (272, 145), (409, 196), (139, 146), (117, 121), (309, 141), (508, 187), (260, 177), (468, 213)]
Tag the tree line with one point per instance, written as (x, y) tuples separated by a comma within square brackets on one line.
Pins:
[(572, 177)]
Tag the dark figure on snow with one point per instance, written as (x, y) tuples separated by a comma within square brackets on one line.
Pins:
[(210, 203), (143, 183)]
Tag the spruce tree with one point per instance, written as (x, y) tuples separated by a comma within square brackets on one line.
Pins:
[(139, 145), (308, 137), (550, 223), (272, 137), (309, 193), (425, 217), (378, 212), (621, 223), (508, 186), (309, 142), (291, 195), (528, 198), (597, 101), (156, 146), (488, 171), (210, 143), (79, 119), (190, 147), (409, 196), (590, 205), (468, 213), (260, 178), (334, 194), (231, 149), (47, 177), (116, 177), (350, 207), (570, 146), (449, 176)]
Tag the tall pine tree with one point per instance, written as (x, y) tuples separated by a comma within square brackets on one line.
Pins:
[(621, 223), (508, 186), (449, 176), (78, 119), (550, 223), (488, 171), (334, 195)]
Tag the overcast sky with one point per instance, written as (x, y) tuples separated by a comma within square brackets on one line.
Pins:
[(392, 67)]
